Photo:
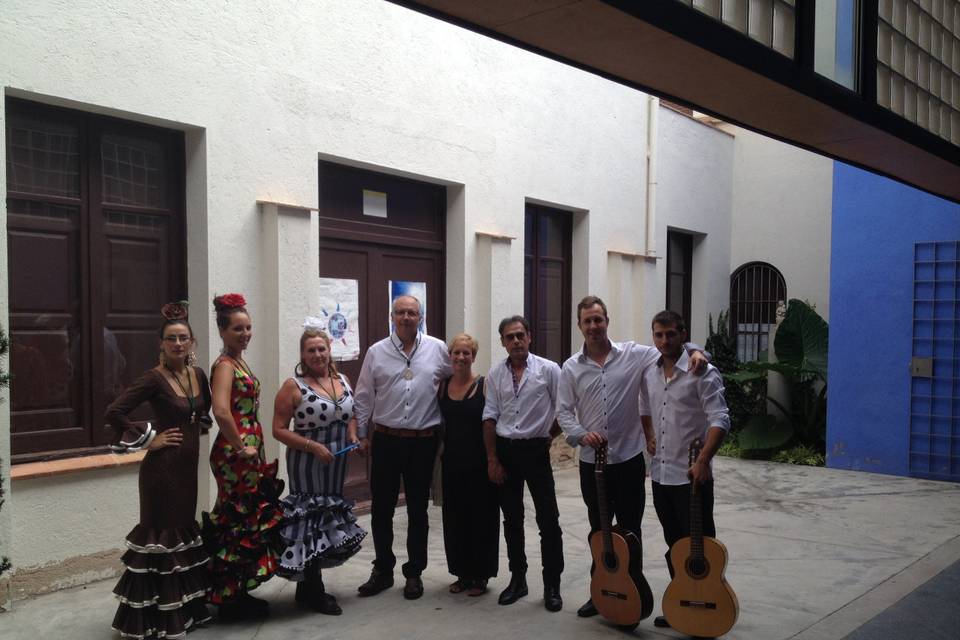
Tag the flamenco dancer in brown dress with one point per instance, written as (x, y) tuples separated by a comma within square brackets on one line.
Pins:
[(163, 590), (241, 532)]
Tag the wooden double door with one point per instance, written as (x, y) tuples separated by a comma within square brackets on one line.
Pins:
[(406, 245)]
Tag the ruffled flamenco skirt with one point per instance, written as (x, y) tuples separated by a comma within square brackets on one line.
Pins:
[(163, 591), (317, 529), (242, 535)]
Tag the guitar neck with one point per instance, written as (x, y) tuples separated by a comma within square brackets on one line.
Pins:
[(696, 523), (599, 466), (696, 512)]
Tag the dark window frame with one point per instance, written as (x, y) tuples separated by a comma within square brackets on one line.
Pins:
[(533, 260), (89, 436), (685, 307)]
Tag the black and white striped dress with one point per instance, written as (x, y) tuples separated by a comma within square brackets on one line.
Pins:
[(319, 525)]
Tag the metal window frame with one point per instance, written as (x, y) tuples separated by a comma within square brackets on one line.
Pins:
[(758, 298)]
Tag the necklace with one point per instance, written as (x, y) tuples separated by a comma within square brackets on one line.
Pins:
[(241, 364), (517, 377), (194, 418), (408, 372), (337, 410)]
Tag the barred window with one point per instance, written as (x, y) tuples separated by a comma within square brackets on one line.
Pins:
[(756, 289)]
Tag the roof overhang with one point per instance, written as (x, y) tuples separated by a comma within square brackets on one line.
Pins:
[(664, 48)]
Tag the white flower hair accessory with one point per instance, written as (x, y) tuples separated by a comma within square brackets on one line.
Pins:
[(312, 322)]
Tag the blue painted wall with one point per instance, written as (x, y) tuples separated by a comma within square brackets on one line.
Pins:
[(876, 223)]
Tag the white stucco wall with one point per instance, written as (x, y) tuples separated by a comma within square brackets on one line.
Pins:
[(782, 203), (694, 196), (262, 94), (63, 525)]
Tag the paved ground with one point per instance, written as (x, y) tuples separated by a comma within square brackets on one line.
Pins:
[(814, 554), (931, 611)]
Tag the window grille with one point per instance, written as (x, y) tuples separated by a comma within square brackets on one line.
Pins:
[(756, 289), (935, 396)]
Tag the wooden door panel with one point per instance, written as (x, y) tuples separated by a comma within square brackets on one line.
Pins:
[(46, 390), (135, 275), (373, 266), (416, 267), (408, 244), (350, 261), (415, 209)]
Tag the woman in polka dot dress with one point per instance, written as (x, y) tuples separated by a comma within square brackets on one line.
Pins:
[(319, 529)]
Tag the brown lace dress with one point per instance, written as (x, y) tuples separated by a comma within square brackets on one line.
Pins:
[(163, 590)]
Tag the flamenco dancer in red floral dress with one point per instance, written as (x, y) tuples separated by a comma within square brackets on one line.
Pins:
[(241, 533)]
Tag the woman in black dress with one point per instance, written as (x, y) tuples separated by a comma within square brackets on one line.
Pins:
[(163, 591), (471, 512)]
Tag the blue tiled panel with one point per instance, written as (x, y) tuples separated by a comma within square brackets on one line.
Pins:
[(934, 405)]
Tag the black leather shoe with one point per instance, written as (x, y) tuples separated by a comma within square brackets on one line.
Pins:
[(551, 598), (326, 603), (377, 583), (247, 601), (661, 622), (413, 589), (587, 610), (243, 609), (515, 590)]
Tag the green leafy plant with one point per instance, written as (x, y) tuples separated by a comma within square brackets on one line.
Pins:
[(800, 454), (746, 398), (801, 348)]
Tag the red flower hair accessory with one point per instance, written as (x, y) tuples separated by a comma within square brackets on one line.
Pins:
[(175, 310), (229, 301)]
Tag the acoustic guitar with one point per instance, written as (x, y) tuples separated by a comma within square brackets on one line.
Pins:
[(617, 586), (699, 601)]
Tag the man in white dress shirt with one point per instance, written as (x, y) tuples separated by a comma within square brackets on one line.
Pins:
[(599, 392), (519, 422), (680, 408), (395, 405)]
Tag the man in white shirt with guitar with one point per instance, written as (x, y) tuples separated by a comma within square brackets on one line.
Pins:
[(680, 407)]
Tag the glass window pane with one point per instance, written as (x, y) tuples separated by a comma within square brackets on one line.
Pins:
[(528, 289), (709, 7), (784, 22), (835, 41), (918, 60), (735, 14), (761, 21), (550, 303), (551, 241), (133, 171), (43, 157), (675, 293)]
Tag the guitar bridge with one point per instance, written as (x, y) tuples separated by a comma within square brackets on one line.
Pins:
[(698, 604), (613, 594)]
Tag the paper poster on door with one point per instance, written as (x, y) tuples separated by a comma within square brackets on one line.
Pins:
[(397, 288), (339, 309)]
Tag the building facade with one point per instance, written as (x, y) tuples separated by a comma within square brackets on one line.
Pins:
[(194, 150)]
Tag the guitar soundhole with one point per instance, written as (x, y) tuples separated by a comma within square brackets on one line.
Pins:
[(697, 568), (610, 561)]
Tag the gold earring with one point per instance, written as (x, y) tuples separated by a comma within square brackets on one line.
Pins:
[(191, 358), (163, 358)]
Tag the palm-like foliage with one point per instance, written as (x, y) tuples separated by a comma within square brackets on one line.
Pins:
[(801, 348)]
